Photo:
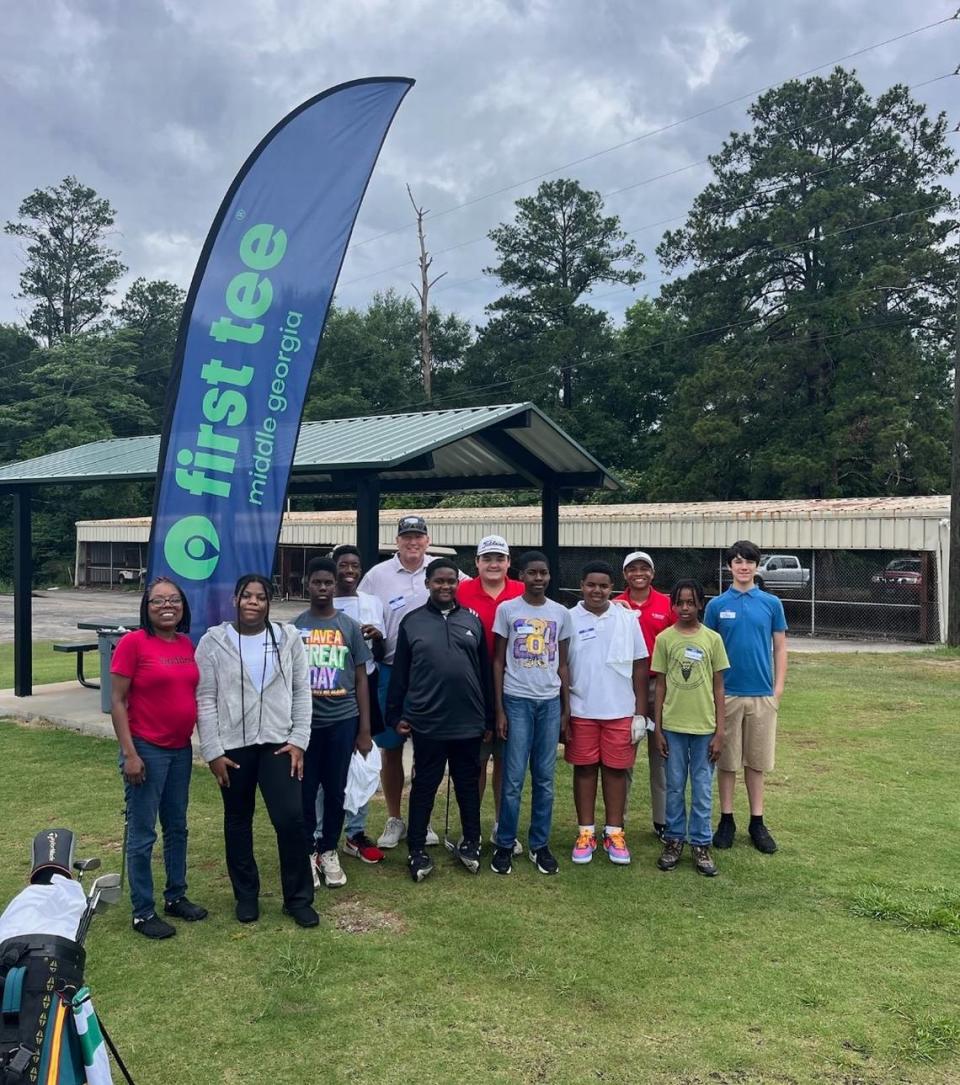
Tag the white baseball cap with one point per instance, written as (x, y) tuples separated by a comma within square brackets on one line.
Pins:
[(639, 555), (492, 544)]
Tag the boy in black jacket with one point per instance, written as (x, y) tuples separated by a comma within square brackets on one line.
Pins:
[(440, 692)]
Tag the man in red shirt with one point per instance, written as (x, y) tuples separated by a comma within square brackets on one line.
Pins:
[(483, 594), (654, 614)]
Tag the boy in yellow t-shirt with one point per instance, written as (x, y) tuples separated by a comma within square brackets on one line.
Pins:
[(689, 660)]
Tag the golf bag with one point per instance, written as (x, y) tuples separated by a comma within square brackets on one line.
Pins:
[(49, 1034)]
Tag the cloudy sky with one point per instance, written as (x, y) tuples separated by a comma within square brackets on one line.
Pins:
[(157, 104)]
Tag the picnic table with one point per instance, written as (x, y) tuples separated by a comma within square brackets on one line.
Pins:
[(109, 631)]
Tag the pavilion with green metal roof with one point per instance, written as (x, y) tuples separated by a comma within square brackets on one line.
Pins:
[(510, 447)]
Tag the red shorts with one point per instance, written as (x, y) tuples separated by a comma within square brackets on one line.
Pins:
[(604, 741)]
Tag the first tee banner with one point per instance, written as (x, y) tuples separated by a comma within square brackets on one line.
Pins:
[(249, 337)]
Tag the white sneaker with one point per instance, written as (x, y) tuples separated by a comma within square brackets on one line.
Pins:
[(393, 832), (517, 846), (315, 869), (432, 837), (331, 871)]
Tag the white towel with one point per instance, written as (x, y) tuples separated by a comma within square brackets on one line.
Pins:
[(362, 779), (620, 650)]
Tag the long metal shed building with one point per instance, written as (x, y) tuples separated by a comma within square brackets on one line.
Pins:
[(848, 547)]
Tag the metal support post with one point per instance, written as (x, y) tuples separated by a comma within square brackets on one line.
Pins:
[(22, 599)]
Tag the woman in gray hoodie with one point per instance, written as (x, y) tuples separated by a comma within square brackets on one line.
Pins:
[(254, 709)]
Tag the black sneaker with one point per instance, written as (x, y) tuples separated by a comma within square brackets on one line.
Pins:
[(726, 831), (544, 861), (658, 830), (247, 911), (703, 862), (762, 840), (502, 861), (670, 856), (152, 926), (468, 852), (420, 865), (185, 909), (303, 915)]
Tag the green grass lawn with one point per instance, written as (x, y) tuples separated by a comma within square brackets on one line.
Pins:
[(48, 665), (836, 960)]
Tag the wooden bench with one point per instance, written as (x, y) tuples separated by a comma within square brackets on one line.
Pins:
[(79, 649)]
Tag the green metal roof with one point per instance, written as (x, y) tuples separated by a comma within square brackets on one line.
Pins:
[(511, 445)]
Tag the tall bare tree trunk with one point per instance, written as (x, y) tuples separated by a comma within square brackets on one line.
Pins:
[(423, 293)]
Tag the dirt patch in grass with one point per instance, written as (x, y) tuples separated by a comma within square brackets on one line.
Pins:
[(358, 917), (952, 664)]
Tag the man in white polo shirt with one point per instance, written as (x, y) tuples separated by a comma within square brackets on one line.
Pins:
[(400, 584)]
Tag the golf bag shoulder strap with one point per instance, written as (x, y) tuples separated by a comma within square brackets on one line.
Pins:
[(12, 994)]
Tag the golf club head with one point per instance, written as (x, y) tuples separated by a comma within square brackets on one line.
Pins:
[(82, 866), (106, 890), (52, 853)]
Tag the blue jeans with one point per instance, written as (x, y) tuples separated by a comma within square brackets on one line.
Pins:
[(353, 823), (532, 737), (689, 757), (164, 792)]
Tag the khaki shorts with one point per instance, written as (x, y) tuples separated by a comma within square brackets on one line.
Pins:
[(751, 734)]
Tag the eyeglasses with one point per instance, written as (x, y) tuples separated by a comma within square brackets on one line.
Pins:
[(165, 601)]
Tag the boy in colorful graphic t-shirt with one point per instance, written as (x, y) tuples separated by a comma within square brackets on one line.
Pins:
[(530, 685), (337, 656)]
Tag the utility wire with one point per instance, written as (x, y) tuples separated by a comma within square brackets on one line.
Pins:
[(660, 130), (650, 180)]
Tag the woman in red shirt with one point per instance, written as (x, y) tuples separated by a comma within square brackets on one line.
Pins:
[(154, 711)]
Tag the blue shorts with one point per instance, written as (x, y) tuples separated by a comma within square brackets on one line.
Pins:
[(387, 739)]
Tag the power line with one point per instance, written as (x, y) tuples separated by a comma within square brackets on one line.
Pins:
[(658, 131), (650, 180), (727, 209)]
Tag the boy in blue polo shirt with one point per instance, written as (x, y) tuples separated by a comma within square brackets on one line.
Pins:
[(754, 631)]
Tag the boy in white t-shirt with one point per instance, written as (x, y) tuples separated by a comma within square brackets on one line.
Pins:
[(530, 681), (609, 671)]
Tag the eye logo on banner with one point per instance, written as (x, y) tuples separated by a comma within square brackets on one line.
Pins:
[(192, 548), (250, 333)]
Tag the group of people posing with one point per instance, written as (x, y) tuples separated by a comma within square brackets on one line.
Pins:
[(468, 670)]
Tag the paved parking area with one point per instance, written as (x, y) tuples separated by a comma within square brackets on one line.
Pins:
[(56, 613)]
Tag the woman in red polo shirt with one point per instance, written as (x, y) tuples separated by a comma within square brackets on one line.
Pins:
[(154, 711)]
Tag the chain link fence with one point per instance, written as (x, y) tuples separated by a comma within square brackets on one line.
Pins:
[(871, 594)]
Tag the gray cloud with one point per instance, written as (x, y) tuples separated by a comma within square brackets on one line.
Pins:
[(156, 105)]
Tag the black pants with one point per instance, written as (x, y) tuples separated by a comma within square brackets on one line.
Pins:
[(260, 767), (326, 764), (430, 755)]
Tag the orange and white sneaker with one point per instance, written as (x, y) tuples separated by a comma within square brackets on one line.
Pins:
[(584, 848), (615, 845)]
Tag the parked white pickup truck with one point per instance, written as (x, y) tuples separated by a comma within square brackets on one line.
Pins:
[(777, 572), (782, 571)]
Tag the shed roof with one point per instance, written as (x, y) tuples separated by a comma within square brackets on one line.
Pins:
[(513, 445), (907, 523)]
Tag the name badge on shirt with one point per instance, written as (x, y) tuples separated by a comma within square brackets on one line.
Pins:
[(696, 654), (590, 633), (728, 614), (398, 602)]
